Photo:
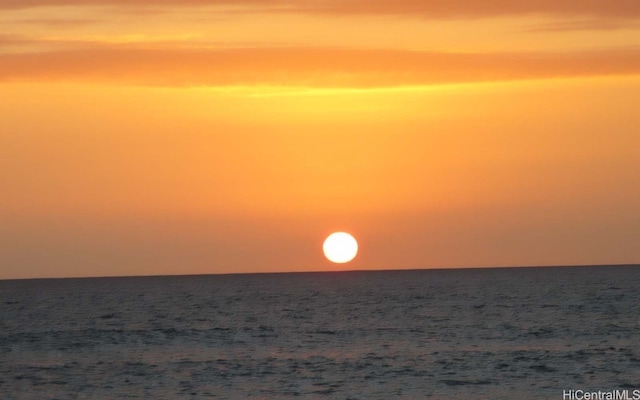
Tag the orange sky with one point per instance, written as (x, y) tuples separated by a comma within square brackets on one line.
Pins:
[(171, 137)]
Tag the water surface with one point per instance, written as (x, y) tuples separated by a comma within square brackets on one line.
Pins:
[(517, 333)]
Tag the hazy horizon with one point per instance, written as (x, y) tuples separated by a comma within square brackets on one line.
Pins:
[(338, 271)]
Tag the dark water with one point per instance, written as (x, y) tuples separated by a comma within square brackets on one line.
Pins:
[(477, 334)]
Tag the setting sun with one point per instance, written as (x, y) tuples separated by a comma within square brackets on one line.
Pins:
[(340, 247), (221, 137)]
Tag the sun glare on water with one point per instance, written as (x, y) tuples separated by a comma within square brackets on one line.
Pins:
[(340, 247)]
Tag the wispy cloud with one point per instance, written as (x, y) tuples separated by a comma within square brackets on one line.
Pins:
[(432, 9), (315, 67), (585, 25), (477, 8), (59, 23), (14, 40)]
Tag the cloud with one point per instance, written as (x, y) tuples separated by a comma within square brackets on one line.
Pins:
[(585, 25), (58, 23), (14, 40), (478, 8), (313, 67), (421, 8)]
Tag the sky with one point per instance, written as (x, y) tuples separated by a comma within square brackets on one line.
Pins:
[(145, 137)]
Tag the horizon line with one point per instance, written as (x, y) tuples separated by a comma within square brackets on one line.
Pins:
[(331, 271)]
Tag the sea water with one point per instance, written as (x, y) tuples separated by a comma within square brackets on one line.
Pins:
[(512, 333)]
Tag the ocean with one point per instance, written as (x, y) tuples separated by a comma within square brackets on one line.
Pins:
[(500, 333)]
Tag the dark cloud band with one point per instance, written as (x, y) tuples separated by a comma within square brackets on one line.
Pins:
[(316, 67)]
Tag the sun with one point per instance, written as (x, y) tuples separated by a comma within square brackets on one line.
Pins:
[(340, 247)]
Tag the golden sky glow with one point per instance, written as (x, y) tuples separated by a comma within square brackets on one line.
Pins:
[(173, 137)]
